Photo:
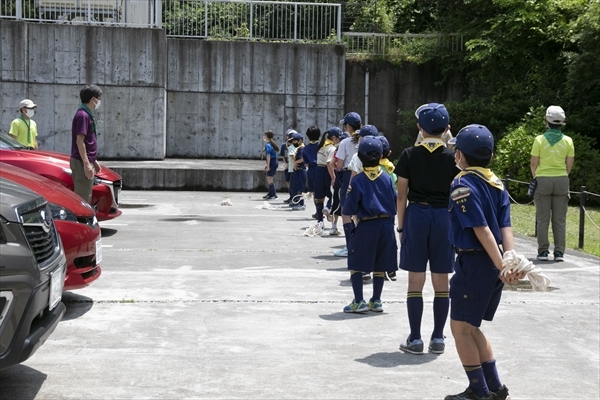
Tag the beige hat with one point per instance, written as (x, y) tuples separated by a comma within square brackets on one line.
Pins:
[(555, 115), (27, 103)]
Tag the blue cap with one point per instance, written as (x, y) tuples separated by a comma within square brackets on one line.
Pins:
[(297, 136), (351, 118), (370, 144), (474, 137), (433, 118), (368, 130), (334, 131), (344, 135), (385, 143)]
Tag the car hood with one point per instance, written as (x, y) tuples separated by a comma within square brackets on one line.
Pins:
[(53, 192), (63, 160)]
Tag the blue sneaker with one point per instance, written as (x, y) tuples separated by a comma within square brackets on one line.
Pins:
[(375, 305), (559, 256), (543, 256), (414, 347), (341, 252), (355, 307)]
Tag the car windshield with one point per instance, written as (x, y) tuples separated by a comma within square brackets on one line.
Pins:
[(8, 143)]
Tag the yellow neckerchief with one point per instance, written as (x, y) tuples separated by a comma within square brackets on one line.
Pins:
[(296, 154), (387, 164), (327, 143), (432, 144), (313, 142), (484, 173), (372, 172)]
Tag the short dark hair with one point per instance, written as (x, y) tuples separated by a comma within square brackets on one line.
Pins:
[(484, 156), (371, 159), (554, 126), (313, 133), (89, 92)]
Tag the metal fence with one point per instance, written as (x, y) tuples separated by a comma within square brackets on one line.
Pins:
[(381, 44), (135, 13), (253, 20)]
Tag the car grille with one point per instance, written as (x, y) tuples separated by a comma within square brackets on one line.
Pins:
[(41, 234)]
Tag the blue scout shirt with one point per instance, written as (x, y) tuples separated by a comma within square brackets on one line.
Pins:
[(368, 198), (477, 198), (270, 151), (310, 153)]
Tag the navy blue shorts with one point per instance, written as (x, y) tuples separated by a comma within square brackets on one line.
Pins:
[(287, 175), (310, 177), (373, 246), (298, 182), (273, 165), (425, 238), (344, 183), (475, 289), (322, 183)]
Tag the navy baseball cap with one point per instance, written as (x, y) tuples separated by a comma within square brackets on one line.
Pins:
[(351, 118), (344, 135), (289, 133), (368, 130), (433, 118), (370, 144), (297, 136), (385, 143), (473, 137), (334, 131)]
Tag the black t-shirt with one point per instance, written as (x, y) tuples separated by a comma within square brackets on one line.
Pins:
[(429, 174)]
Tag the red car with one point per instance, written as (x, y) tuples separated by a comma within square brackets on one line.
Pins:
[(75, 222), (55, 166)]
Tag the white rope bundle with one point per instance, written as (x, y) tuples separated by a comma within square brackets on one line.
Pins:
[(267, 206), (304, 196), (314, 230), (518, 263), (226, 202)]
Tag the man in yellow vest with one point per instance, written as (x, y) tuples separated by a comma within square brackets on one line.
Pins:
[(24, 129)]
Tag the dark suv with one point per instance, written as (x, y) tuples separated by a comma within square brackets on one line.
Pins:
[(32, 273)]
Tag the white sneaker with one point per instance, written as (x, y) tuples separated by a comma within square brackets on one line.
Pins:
[(334, 232)]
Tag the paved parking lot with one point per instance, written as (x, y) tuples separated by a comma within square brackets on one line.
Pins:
[(199, 300)]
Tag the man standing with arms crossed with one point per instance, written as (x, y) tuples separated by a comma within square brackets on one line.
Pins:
[(84, 145)]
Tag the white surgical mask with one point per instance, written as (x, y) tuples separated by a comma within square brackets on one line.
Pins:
[(98, 102), (457, 162), (29, 112)]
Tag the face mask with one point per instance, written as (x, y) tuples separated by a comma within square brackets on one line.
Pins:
[(98, 102), (29, 113)]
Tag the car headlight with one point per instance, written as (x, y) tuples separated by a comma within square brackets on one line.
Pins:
[(60, 213)]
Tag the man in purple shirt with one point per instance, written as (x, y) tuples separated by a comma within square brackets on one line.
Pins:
[(84, 145)]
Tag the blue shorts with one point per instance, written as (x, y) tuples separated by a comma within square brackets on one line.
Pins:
[(287, 175), (425, 238), (475, 289), (344, 183), (298, 181), (273, 165), (310, 177), (322, 183), (373, 247)]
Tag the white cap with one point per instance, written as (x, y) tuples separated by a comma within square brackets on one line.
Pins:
[(27, 103), (555, 115)]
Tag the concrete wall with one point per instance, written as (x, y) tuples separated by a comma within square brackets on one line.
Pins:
[(176, 97), (224, 95), (50, 63), (393, 87)]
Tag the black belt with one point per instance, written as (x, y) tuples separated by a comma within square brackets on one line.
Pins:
[(375, 217), (469, 251)]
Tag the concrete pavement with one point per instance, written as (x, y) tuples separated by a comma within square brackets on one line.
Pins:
[(199, 300)]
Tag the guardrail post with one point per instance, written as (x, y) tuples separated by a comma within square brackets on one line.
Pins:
[(339, 24), (206, 18), (158, 13), (582, 196), (19, 9), (295, 22), (251, 19)]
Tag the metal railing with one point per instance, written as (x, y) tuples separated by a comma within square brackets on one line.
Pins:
[(253, 20), (135, 13), (382, 44)]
